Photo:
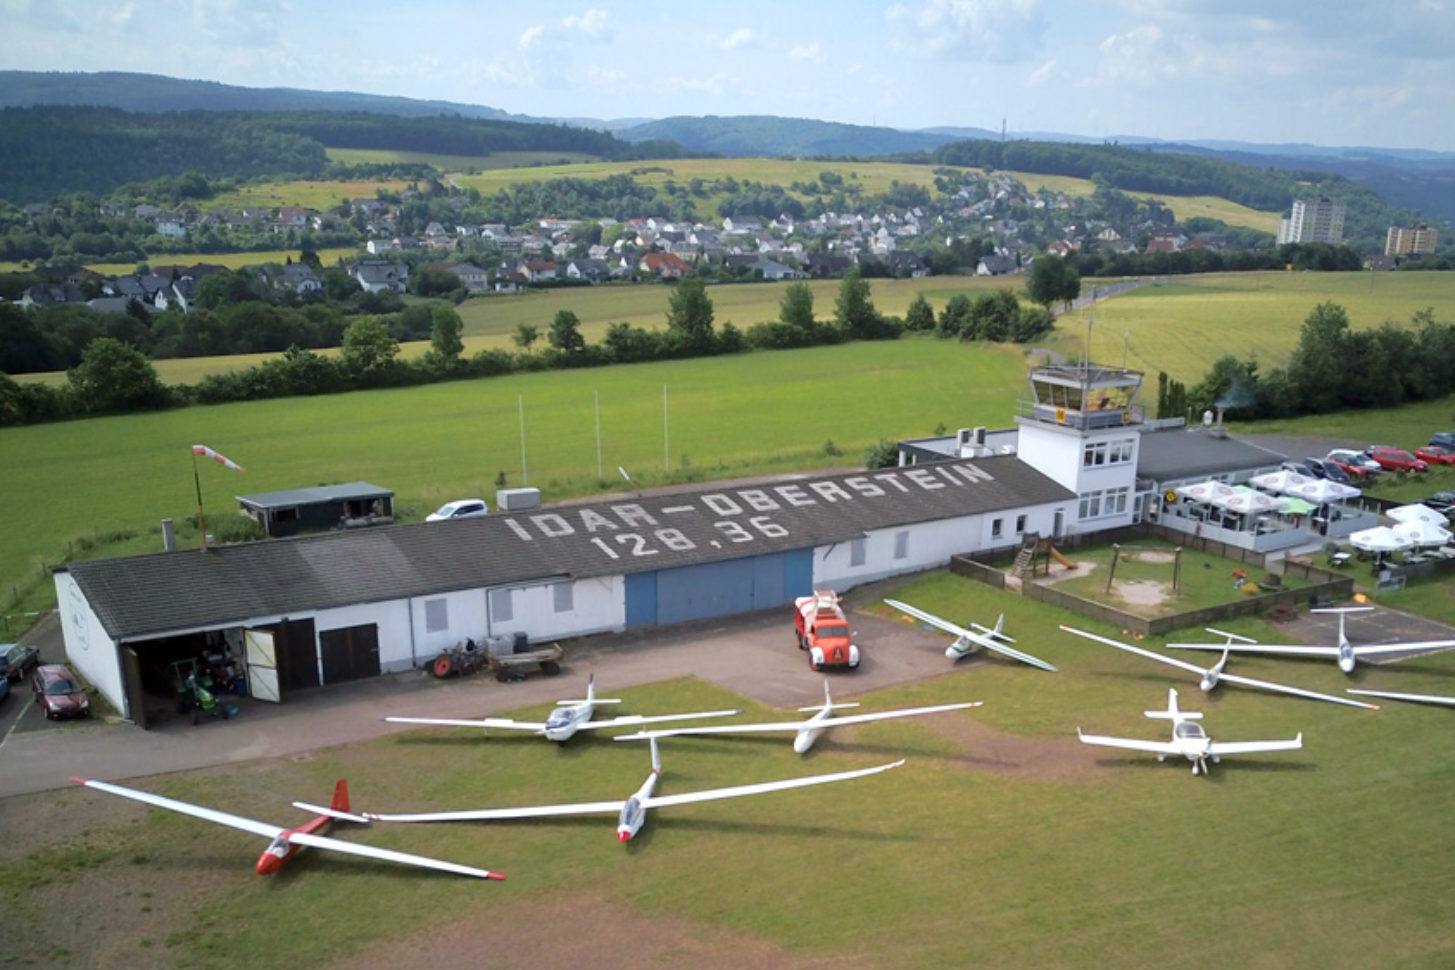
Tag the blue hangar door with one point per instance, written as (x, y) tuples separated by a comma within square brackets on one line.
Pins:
[(718, 588)]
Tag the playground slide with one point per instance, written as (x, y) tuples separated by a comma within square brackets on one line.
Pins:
[(1062, 559)]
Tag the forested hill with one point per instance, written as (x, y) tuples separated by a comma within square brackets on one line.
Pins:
[(155, 93), (768, 135), (54, 150)]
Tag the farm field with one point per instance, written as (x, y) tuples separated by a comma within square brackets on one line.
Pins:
[(231, 260), (742, 415), (1182, 324), (1001, 842), (319, 194), (456, 163)]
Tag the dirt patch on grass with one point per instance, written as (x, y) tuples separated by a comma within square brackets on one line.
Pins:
[(1141, 592), (1156, 556), (1060, 760), (581, 930)]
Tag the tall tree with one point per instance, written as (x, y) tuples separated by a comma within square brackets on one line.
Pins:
[(689, 316), (446, 332), (565, 333), (113, 376), (1052, 280), (369, 349), (920, 316), (854, 311), (796, 307)]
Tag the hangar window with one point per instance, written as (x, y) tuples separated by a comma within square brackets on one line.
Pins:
[(565, 595), (997, 526), (901, 544), (500, 605), (1020, 524), (856, 552), (436, 615)]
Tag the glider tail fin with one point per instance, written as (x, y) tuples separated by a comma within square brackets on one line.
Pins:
[(340, 796), (656, 756)]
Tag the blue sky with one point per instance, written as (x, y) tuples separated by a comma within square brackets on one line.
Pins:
[(1320, 71)]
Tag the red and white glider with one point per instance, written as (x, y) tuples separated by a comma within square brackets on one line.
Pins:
[(285, 843)]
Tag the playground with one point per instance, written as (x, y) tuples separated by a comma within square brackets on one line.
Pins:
[(1153, 578)]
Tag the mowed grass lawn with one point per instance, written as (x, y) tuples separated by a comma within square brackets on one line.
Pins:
[(747, 414), (1001, 842), (1182, 324)]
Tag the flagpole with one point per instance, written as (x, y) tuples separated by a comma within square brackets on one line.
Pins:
[(197, 482)]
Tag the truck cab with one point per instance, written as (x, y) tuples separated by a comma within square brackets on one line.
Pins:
[(823, 631)]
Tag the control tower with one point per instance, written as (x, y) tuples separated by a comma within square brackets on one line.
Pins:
[(1082, 428)]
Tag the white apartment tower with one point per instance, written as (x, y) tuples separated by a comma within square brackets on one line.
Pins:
[(1409, 240), (1313, 220)]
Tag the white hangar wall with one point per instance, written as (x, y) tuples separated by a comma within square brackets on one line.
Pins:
[(89, 648)]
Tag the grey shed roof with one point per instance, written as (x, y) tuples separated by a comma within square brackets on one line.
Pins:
[(1195, 453), (314, 496), (149, 595)]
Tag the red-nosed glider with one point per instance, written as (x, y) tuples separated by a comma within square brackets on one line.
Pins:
[(285, 843)]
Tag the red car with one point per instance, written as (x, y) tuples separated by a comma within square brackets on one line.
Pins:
[(1396, 459), (1436, 455), (58, 692)]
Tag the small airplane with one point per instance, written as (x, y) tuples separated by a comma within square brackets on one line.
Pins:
[(1412, 698), (566, 720), (1210, 677), (1346, 654), (1189, 739), (805, 732), (286, 842), (967, 641), (632, 812)]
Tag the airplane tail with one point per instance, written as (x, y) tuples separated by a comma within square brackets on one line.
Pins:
[(1230, 637), (590, 697), (340, 796), (1172, 713), (996, 632), (828, 702)]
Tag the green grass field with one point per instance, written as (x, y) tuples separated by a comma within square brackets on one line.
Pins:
[(1000, 843), (733, 416), (231, 260), (456, 163)]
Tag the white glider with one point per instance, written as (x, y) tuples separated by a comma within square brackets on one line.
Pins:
[(983, 637), (285, 843), (566, 720), (1188, 739), (805, 732), (1412, 698), (1346, 654), (1210, 677), (632, 812)]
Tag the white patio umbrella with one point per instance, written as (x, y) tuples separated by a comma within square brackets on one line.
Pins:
[(1282, 480), (1381, 538), (1205, 491), (1246, 500), (1422, 533), (1416, 513), (1321, 491)]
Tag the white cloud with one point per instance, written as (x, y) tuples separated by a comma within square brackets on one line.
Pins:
[(593, 24), (742, 37), (1042, 74), (1135, 57), (1000, 31), (811, 53), (531, 35)]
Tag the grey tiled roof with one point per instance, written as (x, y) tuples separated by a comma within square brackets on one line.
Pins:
[(314, 496), (148, 595)]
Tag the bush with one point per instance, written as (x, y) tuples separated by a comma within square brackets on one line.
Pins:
[(882, 454)]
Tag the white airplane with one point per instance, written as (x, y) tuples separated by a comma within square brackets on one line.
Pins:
[(1412, 698), (1344, 652), (632, 812), (285, 843), (805, 732), (1189, 739), (967, 641), (566, 720), (1210, 677)]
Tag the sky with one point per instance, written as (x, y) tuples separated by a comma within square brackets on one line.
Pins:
[(1324, 72)]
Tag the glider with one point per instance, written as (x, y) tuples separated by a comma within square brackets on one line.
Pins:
[(566, 720), (805, 732), (1189, 739), (632, 812), (285, 843), (987, 638), (1413, 698), (1210, 677), (1346, 654)]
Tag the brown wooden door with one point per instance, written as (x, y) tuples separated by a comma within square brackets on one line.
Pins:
[(349, 653)]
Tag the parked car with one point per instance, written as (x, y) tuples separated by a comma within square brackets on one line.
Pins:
[(4, 687), (1445, 439), (1356, 464), (1394, 459), (1299, 468), (462, 508), (18, 658), (1441, 502), (58, 692), (1436, 455), (1323, 468)]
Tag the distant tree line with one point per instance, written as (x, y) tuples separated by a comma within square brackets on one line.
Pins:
[(112, 375), (1335, 368)]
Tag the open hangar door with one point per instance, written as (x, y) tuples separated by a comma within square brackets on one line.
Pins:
[(153, 671)]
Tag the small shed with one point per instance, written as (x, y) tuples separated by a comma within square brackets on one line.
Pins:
[(323, 507)]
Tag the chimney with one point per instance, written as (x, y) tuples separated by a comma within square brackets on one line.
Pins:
[(979, 436), (169, 536)]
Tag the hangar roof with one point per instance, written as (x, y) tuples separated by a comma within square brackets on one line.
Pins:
[(314, 496), (141, 596)]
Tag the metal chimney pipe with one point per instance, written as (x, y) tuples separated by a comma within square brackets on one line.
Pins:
[(169, 536)]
